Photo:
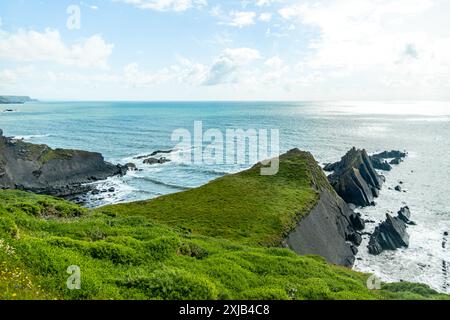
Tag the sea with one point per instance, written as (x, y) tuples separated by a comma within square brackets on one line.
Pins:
[(122, 131)]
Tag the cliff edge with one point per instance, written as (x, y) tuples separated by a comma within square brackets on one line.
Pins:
[(57, 172)]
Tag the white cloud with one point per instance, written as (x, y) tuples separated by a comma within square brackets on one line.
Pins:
[(263, 3), (136, 78), (242, 19), (382, 40), (167, 5), (226, 67), (10, 76), (265, 17), (30, 46)]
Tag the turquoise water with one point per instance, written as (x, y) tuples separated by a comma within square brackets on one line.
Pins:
[(124, 130)]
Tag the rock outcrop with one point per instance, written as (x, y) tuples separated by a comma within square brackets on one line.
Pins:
[(153, 161), (395, 157), (57, 172), (355, 179), (389, 235), (331, 229)]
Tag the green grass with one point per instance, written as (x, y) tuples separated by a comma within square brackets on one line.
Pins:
[(133, 257), (40, 152), (244, 207), (215, 242)]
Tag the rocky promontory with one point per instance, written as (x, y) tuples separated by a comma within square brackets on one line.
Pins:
[(57, 172), (355, 179), (15, 99)]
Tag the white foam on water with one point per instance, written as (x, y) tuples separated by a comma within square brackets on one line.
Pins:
[(122, 192), (31, 137), (422, 261)]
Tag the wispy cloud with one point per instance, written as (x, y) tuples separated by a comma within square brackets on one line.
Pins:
[(166, 5), (34, 46)]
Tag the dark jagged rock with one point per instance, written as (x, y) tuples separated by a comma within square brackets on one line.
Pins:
[(398, 188), (153, 161), (355, 238), (155, 153), (331, 227), (396, 161), (131, 166), (161, 152), (57, 172), (380, 164), (355, 179), (379, 160), (405, 214), (329, 167), (389, 235)]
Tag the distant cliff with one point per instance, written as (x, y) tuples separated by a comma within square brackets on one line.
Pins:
[(15, 99), (57, 172)]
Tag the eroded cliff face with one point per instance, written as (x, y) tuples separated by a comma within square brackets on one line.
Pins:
[(330, 230), (59, 172)]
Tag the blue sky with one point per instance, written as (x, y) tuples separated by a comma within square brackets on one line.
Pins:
[(226, 50)]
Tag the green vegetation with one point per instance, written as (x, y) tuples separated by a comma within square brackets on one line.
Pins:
[(125, 256), (244, 207), (215, 242), (40, 152)]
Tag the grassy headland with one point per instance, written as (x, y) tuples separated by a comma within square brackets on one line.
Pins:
[(244, 207), (190, 245)]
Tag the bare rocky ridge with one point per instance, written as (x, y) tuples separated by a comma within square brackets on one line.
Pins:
[(355, 179), (57, 172)]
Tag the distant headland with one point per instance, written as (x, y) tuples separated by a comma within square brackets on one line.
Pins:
[(16, 99)]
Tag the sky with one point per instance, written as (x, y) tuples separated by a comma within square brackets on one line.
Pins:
[(225, 50)]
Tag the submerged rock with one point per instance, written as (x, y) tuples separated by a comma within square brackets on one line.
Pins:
[(355, 179), (389, 235)]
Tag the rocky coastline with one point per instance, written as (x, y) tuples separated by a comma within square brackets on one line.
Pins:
[(57, 172), (332, 229)]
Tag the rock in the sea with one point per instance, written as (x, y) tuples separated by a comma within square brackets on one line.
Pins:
[(112, 189), (56, 172), (396, 161), (161, 152), (405, 214), (380, 164), (379, 160), (355, 178), (389, 235), (398, 188), (131, 166), (391, 154), (152, 161)]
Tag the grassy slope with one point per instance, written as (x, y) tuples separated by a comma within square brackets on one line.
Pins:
[(147, 251), (244, 207), (132, 257)]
